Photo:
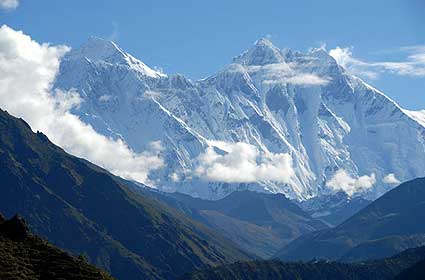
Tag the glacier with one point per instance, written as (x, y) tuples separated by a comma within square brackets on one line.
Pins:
[(279, 101)]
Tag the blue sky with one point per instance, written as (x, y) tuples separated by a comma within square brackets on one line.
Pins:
[(197, 38)]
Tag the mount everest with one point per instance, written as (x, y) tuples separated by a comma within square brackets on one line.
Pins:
[(273, 120)]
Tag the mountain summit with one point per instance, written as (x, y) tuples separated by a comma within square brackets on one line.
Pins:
[(97, 50), (301, 124), (263, 52)]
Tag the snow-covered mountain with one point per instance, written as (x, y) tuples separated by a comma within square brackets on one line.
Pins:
[(273, 120)]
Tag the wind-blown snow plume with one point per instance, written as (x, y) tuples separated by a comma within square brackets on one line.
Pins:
[(243, 163), (342, 181), (27, 71)]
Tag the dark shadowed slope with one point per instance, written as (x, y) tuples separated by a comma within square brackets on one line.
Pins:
[(385, 269), (259, 223), (389, 225), (84, 209), (24, 256), (416, 272)]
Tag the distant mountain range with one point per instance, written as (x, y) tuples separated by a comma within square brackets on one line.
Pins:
[(388, 225), (299, 113), (406, 266), (83, 209), (26, 256)]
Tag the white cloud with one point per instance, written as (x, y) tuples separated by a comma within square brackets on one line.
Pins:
[(27, 70), (281, 73), (413, 64), (243, 163), (391, 179), (342, 181), (302, 79), (9, 4)]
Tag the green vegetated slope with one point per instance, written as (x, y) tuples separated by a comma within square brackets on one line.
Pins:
[(24, 256), (83, 209)]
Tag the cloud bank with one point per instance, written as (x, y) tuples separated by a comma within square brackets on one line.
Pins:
[(243, 163), (413, 64), (9, 4), (27, 71), (342, 181)]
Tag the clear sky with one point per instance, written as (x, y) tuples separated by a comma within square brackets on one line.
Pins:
[(197, 37)]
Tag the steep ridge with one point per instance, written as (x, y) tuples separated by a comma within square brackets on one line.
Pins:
[(26, 256), (279, 101), (388, 225), (406, 262), (259, 223), (85, 210)]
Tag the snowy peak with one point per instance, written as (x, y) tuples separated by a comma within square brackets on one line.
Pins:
[(101, 50), (321, 54), (264, 43), (337, 130), (263, 53)]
